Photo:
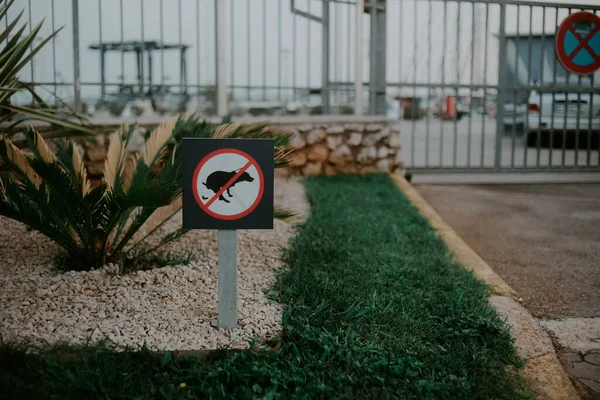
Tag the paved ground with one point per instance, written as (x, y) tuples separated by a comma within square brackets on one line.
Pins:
[(472, 142), (544, 240)]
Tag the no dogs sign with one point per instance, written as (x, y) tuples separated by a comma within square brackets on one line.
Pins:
[(228, 184)]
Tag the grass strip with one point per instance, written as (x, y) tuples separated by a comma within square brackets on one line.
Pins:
[(375, 307)]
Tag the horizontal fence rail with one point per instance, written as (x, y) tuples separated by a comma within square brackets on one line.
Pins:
[(475, 84)]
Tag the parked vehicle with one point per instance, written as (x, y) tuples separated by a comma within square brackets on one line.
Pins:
[(545, 114)]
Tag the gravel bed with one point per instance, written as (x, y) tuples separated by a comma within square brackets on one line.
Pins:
[(170, 308)]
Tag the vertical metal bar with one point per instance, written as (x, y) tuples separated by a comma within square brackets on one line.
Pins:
[(231, 50), (325, 24), (501, 87), (264, 37), (443, 86), (516, 92), (428, 84), (162, 50), (530, 82), (457, 67), (358, 59), (400, 44), (221, 19), (308, 50), (577, 130), (248, 44), (76, 72), (471, 88), (227, 280), (590, 130), (485, 62), (141, 60), (54, 49), (551, 150), (294, 28), (122, 46), (198, 47), (30, 49), (539, 138), (412, 106), (564, 135), (348, 49), (180, 42), (280, 51)]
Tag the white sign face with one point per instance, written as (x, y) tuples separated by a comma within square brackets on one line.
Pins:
[(228, 184)]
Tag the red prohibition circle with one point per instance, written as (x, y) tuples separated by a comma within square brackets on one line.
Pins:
[(566, 60), (234, 216)]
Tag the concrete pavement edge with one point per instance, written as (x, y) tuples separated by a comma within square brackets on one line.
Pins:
[(543, 372)]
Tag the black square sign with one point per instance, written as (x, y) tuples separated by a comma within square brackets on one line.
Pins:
[(228, 183)]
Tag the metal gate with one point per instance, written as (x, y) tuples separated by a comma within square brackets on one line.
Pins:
[(475, 84), (480, 87)]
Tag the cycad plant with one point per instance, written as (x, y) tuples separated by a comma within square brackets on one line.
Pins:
[(16, 52), (111, 222)]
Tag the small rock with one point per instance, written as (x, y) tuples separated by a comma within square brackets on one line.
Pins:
[(383, 152), (394, 141), (312, 168), (336, 129), (318, 153), (373, 127), (354, 127), (297, 142), (383, 165), (396, 128), (333, 142), (369, 169), (298, 159), (370, 139), (69, 321), (304, 128), (329, 170), (316, 135), (354, 139), (366, 154), (341, 155), (41, 293)]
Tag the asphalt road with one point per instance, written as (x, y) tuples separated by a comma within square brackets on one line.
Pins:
[(544, 240), (472, 142)]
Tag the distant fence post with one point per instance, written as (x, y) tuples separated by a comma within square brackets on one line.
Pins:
[(76, 72), (501, 87), (358, 60), (220, 9)]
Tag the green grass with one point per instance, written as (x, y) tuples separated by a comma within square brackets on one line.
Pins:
[(375, 307)]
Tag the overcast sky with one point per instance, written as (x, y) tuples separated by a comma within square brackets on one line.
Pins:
[(262, 40)]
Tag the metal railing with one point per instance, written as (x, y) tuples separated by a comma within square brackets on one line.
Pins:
[(462, 76)]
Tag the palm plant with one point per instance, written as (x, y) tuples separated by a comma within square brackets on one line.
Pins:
[(50, 192), (18, 50)]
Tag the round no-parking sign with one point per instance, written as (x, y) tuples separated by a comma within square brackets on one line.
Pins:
[(226, 193), (578, 43), (228, 183)]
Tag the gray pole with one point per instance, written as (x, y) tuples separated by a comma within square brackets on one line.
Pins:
[(501, 88), (76, 74), (227, 293), (325, 64)]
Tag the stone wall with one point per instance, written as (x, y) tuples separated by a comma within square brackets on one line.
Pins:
[(347, 145), (343, 144)]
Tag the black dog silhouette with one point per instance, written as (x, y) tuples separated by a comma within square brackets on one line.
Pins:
[(216, 180)]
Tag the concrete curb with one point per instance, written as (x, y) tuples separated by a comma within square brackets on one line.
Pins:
[(543, 372)]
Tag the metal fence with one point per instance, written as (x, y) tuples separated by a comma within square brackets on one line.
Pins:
[(475, 83)]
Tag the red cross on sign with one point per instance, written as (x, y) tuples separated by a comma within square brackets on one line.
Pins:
[(578, 43)]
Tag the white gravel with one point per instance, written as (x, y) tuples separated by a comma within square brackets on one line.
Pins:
[(170, 308)]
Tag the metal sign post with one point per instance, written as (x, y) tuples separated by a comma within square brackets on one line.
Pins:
[(227, 279), (228, 185)]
